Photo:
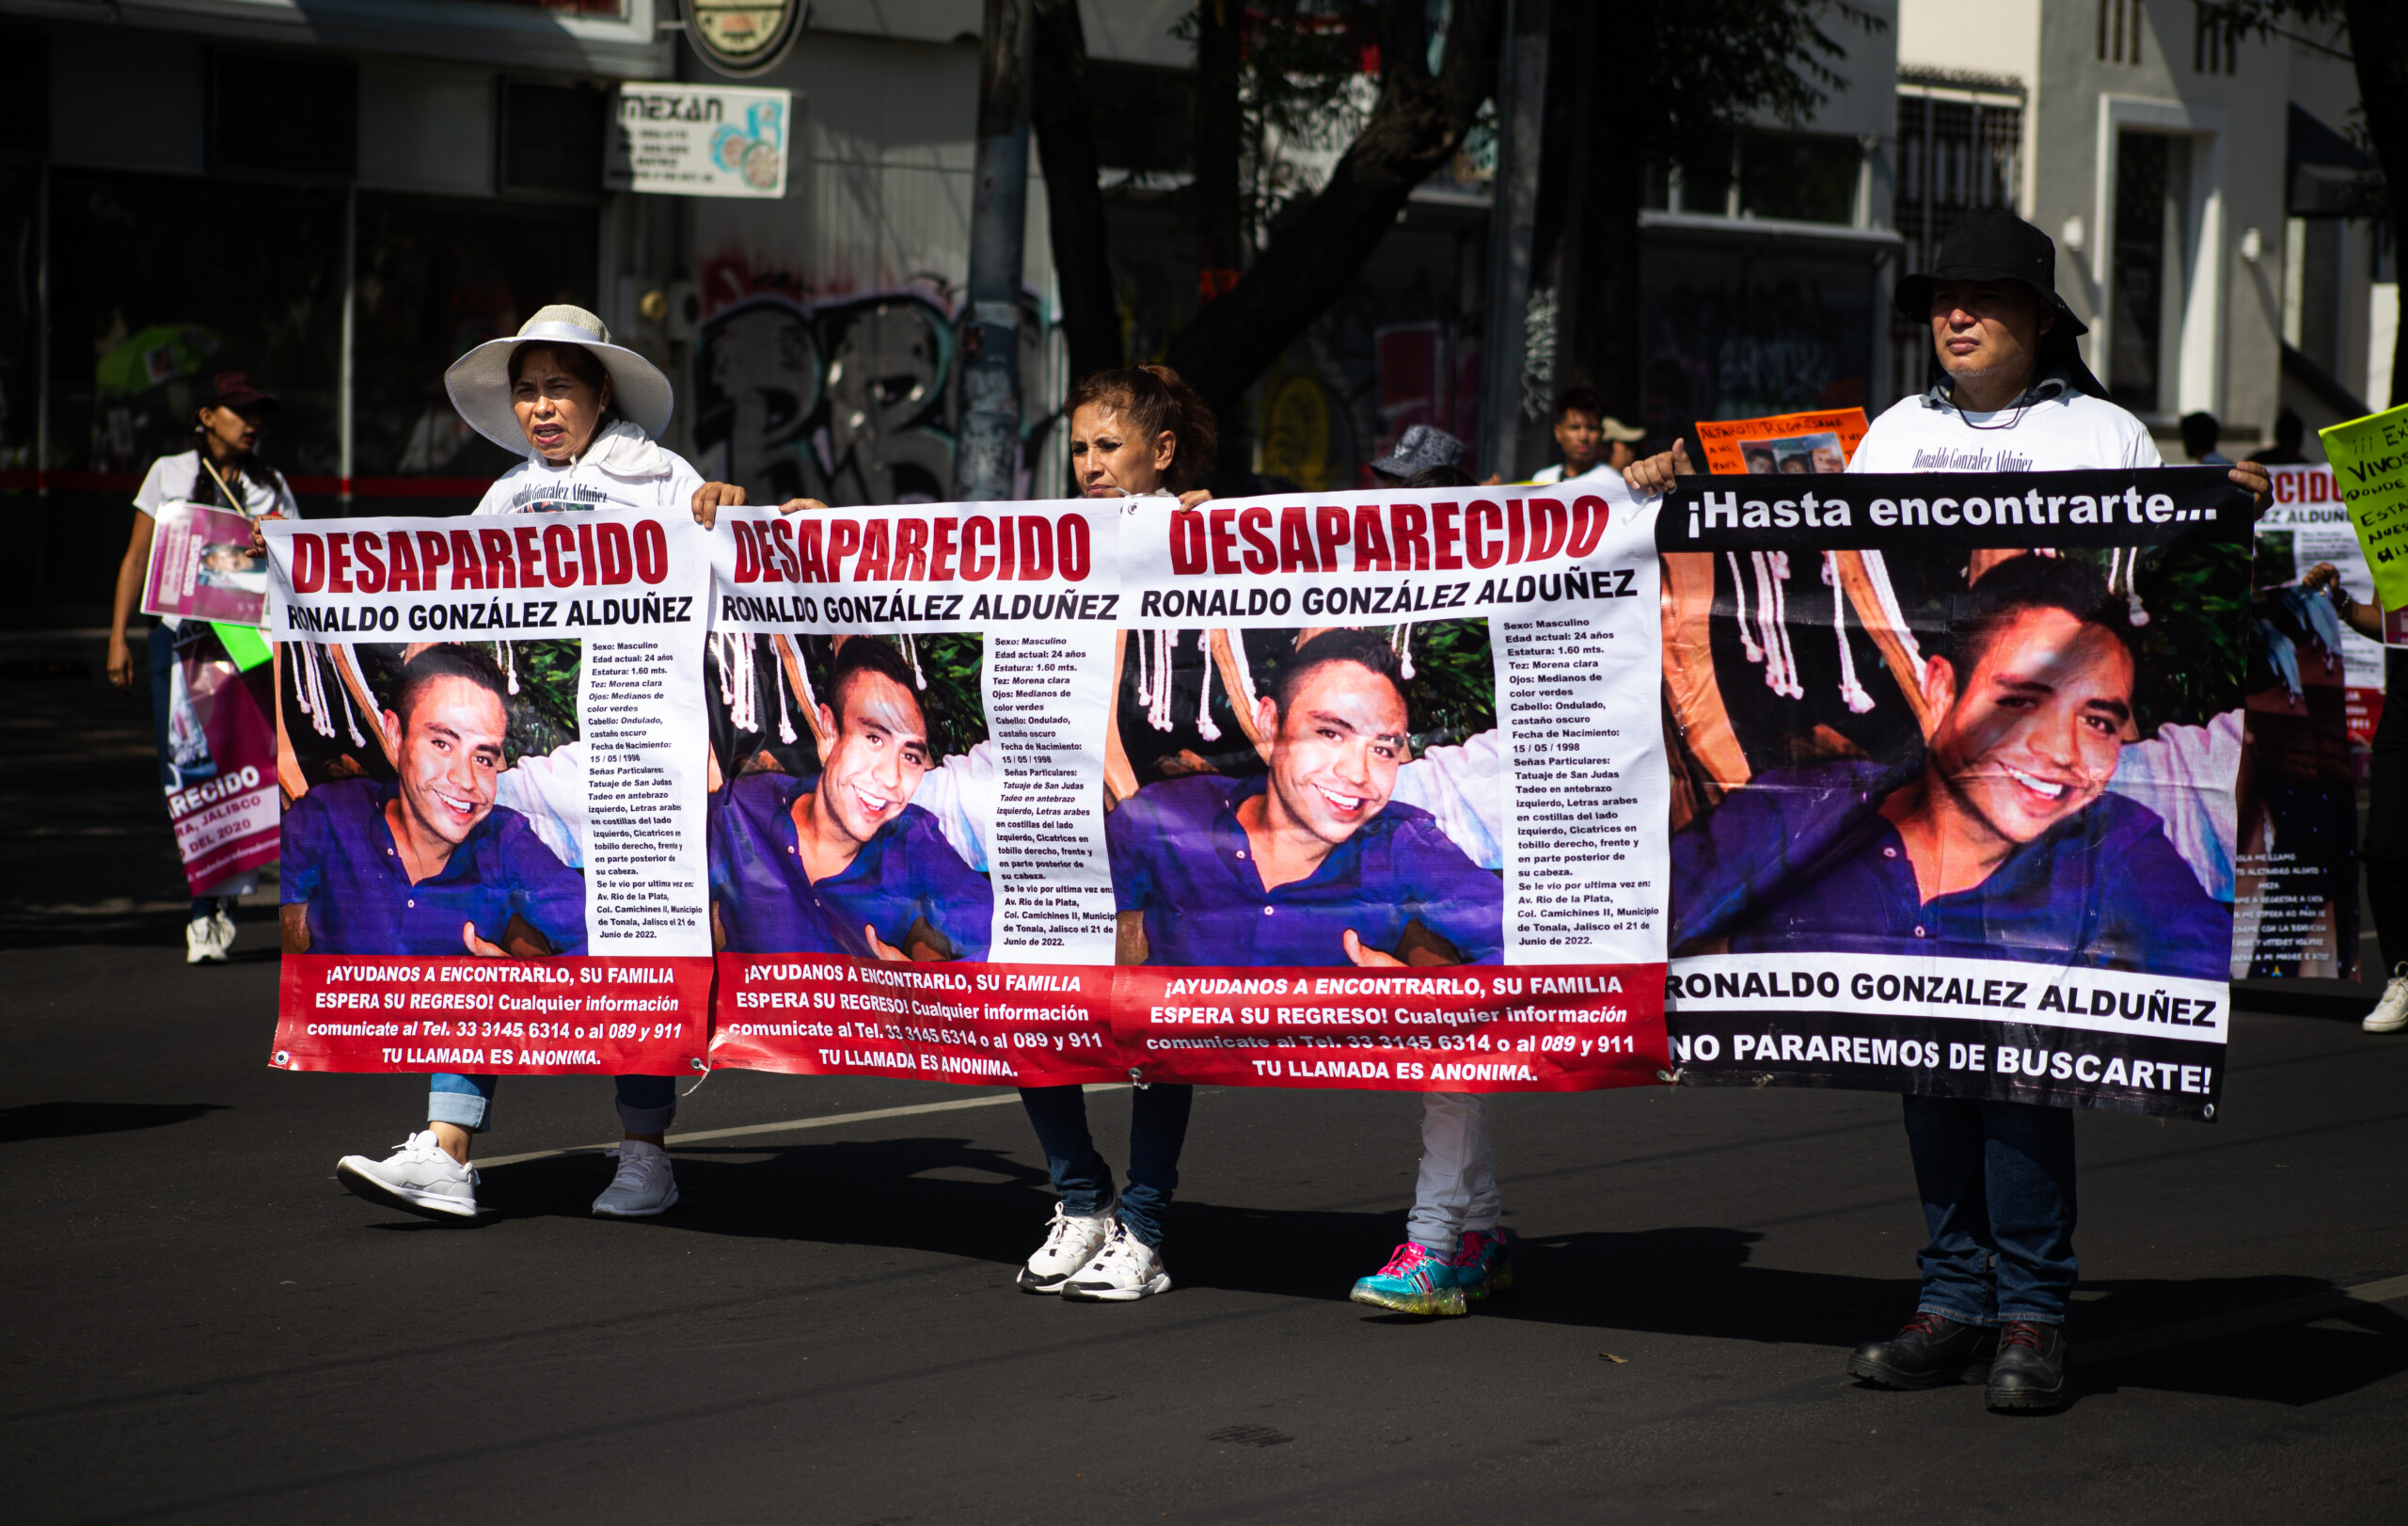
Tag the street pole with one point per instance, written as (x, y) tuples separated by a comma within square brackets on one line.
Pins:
[(1512, 217), (988, 455)]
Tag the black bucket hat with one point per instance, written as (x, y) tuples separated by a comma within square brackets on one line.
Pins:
[(1991, 244)]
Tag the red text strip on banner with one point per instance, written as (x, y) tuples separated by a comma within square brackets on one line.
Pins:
[(993, 1025), (595, 1015)]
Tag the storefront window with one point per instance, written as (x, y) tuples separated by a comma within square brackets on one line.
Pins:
[(1733, 334), (158, 283), (435, 277)]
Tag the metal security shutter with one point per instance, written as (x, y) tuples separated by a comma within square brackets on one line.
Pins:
[(285, 114)]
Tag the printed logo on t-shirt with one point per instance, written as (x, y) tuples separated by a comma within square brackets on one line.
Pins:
[(551, 500), (1945, 459)]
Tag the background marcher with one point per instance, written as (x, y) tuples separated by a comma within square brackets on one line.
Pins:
[(1590, 437), (2384, 852), (2200, 433), (222, 470)]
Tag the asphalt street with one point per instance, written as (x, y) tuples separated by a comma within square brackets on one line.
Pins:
[(201, 1325)]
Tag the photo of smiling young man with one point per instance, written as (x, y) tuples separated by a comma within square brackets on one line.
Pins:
[(428, 863), (2002, 840), (840, 860), (1314, 861)]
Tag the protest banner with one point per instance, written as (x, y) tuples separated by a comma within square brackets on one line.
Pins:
[(907, 712), (2369, 460), (488, 734), (1386, 789), (203, 567), (223, 803), (1792, 443), (1953, 783), (2314, 690)]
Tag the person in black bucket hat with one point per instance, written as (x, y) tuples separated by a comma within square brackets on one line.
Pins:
[(1996, 1179), (1992, 247)]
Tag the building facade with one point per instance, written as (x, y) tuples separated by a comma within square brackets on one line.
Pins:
[(2201, 187)]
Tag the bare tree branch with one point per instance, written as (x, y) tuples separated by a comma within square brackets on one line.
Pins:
[(1416, 124)]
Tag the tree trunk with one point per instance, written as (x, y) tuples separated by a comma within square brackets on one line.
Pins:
[(1598, 295), (1416, 122), (2379, 43), (1065, 122)]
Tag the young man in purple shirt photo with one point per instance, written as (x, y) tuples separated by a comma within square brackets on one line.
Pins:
[(2001, 841), (843, 862)]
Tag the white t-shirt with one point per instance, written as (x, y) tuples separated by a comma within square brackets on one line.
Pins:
[(178, 478), (2069, 431), (621, 470), (1549, 476)]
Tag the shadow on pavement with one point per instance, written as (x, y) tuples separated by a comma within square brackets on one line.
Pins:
[(2301, 1361), (947, 1195), (66, 1119)]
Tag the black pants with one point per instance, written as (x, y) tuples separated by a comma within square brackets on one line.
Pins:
[(2385, 851)]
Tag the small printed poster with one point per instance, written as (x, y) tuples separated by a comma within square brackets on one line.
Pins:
[(203, 567), (701, 140)]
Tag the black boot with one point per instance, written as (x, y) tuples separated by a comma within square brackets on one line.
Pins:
[(1930, 1351), (2029, 1372)]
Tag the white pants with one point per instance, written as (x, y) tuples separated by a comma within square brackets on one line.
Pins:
[(1457, 1189)]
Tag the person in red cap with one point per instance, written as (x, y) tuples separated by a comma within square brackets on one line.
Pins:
[(222, 470)]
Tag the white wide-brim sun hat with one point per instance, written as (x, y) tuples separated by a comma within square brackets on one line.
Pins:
[(479, 381)]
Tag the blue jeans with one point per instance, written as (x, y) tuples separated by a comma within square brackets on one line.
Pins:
[(1157, 1128), (647, 1103), (1998, 1196)]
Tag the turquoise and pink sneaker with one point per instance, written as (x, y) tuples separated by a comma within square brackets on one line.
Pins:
[(1415, 1282), (1482, 1267)]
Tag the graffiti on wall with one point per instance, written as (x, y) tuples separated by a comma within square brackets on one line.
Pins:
[(848, 400), (845, 401)]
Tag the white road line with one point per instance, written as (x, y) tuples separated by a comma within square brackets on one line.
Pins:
[(828, 1121), (2313, 1306)]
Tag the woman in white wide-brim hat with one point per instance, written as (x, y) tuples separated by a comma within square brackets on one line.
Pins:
[(587, 414)]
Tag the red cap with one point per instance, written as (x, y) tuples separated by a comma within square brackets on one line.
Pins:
[(234, 389)]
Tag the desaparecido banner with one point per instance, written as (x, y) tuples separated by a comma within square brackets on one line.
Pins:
[(2313, 694), (1385, 783), (489, 739), (1953, 764), (908, 717)]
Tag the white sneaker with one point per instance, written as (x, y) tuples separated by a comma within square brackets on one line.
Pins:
[(222, 933), (1125, 1270), (417, 1176), (644, 1185), (201, 944), (1070, 1243), (2390, 1014)]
